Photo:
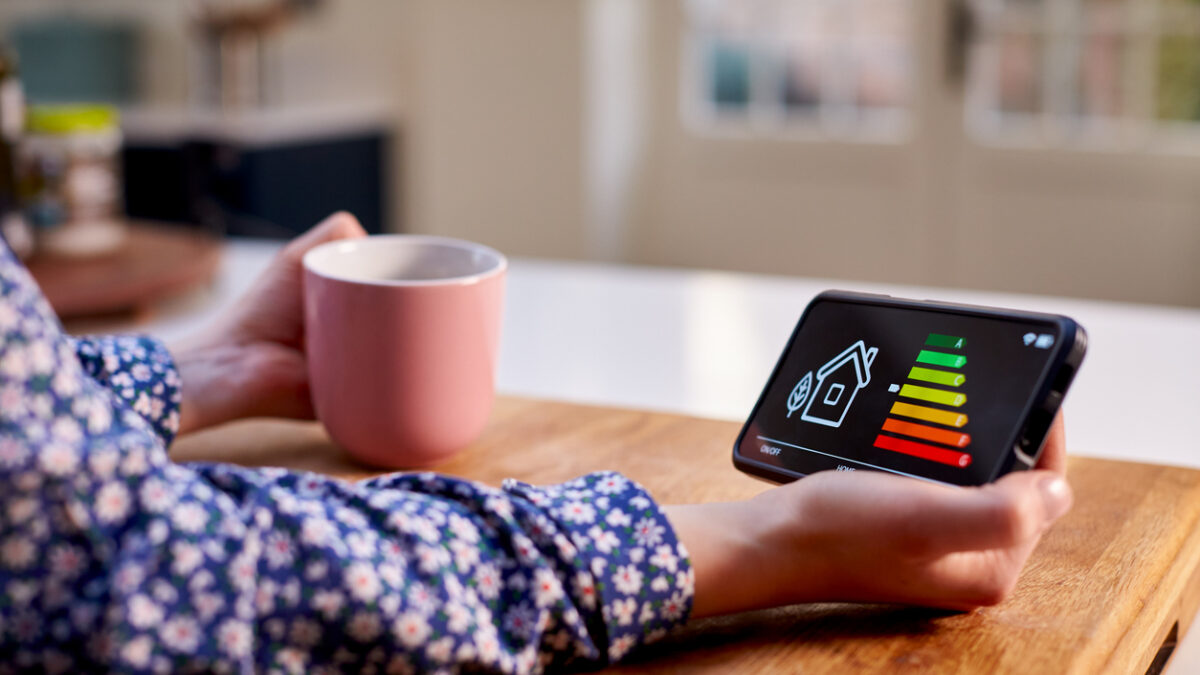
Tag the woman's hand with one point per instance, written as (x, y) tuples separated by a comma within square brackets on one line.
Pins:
[(873, 537), (251, 363)]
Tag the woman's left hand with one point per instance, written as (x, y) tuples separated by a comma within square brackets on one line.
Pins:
[(866, 536), (252, 363)]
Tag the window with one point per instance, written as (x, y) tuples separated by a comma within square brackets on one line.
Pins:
[(830, 68), (1074, 74), (1085, 72)]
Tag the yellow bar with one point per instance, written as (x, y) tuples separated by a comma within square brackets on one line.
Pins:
[(951, 398), (951, 419)]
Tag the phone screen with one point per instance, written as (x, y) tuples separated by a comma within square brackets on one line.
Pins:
[(940, 395)]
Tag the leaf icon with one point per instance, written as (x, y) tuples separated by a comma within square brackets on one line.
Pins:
[(800, 394)]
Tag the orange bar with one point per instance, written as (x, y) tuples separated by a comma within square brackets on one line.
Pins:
[(955, 438)]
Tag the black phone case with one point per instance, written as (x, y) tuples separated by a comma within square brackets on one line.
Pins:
[(1037, 416)]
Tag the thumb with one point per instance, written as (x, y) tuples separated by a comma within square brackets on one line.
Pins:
[(341, 225), (1015, 509), (272, 309)]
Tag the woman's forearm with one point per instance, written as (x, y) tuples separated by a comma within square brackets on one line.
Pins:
[(737, 553)]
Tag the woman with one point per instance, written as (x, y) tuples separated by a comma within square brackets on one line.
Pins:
[(113, 556)]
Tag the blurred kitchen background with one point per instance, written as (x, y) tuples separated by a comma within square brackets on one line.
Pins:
[(154, 154), (1040, 146)]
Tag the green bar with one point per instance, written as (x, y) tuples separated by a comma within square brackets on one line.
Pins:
[(940, 359), (949, 341), (937, 376), (951, 398)]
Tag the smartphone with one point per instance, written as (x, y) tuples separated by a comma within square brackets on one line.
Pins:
[(948, 393)]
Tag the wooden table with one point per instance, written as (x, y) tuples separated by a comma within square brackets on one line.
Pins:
[(1113, 582)]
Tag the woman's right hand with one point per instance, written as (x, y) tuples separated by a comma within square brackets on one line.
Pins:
[(873, 537), (251, 362)]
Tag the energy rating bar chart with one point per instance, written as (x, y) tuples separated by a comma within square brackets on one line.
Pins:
[(938, 435)]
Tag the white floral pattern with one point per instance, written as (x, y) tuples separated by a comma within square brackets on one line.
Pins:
[(114, 558)]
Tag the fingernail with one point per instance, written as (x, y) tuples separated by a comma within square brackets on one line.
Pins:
[(1056, 496)]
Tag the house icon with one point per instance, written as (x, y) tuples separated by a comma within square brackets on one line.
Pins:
[(838, 382)]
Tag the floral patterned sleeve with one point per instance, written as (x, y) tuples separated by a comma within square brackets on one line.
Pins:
[(113, 557), (140, 371)]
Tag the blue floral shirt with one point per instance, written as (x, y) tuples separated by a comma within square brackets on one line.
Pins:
[(112, 556)]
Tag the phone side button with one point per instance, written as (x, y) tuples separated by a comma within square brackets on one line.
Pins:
[(1053, 401), (1023, 457)]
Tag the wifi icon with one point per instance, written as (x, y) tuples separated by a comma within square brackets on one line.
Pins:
[(1028, 338)]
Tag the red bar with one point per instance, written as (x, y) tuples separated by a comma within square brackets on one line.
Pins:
[(933, 454), (955, 438)]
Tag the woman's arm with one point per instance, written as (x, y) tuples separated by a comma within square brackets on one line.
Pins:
[(112, 556)]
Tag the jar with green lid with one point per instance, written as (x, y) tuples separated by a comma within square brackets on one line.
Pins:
[(71, 180)]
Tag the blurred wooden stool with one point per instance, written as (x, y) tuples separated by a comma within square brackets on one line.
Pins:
[(155, 263)]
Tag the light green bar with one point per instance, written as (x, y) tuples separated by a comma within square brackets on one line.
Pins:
[(937, 376), (941, 359), (950, 398)]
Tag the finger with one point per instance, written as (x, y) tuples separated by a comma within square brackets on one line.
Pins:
[(1054, 450), (340, 225), (271, 310), (1012, 511)]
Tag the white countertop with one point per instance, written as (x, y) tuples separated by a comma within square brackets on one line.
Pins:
[(703, 343)]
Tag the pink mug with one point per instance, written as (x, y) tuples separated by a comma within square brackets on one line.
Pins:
[(402, 333)]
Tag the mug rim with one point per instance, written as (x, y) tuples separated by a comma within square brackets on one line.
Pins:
[(342, 246)]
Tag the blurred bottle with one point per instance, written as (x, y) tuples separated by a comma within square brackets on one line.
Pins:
[(69, 163), (13, 226)]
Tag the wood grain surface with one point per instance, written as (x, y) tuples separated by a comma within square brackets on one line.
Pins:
[(1102, 592)]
